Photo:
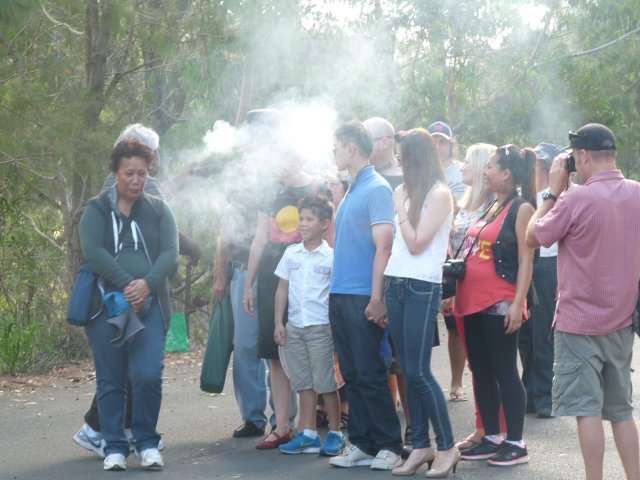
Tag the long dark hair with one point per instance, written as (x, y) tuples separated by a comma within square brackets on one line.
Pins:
[(522, 164), (420, 166)]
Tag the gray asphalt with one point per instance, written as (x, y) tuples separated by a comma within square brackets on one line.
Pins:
[(36, 429)]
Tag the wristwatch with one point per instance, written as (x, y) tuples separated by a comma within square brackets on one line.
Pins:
[(549, 196)]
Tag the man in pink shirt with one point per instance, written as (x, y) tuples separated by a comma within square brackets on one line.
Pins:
[(597, 227)]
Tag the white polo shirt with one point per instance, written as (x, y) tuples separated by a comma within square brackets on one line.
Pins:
[(309, 277)]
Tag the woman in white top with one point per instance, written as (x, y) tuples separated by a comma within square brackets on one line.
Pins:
[(424, 214)]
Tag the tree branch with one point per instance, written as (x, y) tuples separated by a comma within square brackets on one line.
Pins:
[(58, 23), (46, 237)]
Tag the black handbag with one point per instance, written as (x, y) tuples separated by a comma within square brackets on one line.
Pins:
[(82, 297)]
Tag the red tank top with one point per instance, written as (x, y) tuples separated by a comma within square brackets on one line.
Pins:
[(482, 287)]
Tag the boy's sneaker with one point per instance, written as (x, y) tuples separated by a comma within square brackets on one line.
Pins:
[(90, 440), (509, 454), (333, 445), (115, 462), (482, 451), (151, 459), (352, 457), (386, 460), (301, 444)]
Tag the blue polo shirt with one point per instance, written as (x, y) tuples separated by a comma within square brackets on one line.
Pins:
[(368, 202)]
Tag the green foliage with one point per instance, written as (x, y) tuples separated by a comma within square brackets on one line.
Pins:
[(18, 344), (180, 66)]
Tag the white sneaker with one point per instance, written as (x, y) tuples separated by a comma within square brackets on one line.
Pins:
[(90, 440), (151, 459), (132, 441), (352, 457), (386, 460), (115, 462)]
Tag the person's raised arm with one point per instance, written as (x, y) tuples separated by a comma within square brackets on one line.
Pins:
[(558, 181), (382, 234), (255, 255), (418, 238)]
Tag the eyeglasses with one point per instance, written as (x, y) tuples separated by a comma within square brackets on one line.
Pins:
[(380, 138)]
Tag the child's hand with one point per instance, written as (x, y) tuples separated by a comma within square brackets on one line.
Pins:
[(280, 335)]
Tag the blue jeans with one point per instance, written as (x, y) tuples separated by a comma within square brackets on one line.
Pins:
[(373, 423), (249, 371), (535, 341), (412, 307), (143, 358)]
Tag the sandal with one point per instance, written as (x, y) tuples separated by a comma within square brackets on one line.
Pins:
[(458, 396), (275, 443), (344, 420), (468, 443), (321, 418)]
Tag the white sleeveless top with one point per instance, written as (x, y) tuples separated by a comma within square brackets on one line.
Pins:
[(426, 266)]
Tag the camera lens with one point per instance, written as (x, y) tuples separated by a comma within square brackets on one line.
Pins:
[(571, 163)]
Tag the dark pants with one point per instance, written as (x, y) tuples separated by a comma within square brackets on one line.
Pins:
[(373, 422), (493, 358), (536, 337)]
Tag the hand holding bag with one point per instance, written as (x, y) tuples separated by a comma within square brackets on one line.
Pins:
[(219, 347), (79, 311)]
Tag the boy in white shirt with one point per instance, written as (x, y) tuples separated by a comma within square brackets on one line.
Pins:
[(305, 278)]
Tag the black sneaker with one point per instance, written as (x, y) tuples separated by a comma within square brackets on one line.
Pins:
[(247, 430), (509, 454), (482, 451)]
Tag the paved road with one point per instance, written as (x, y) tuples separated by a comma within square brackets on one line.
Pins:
[(36, 428)]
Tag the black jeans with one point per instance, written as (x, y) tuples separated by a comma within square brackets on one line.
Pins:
[(536, 336), (493, 358), (373, 422)]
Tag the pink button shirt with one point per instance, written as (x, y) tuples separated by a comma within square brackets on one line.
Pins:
[(597, 227)]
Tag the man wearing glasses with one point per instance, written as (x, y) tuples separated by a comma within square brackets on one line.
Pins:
[(597, 227), (364, 232)]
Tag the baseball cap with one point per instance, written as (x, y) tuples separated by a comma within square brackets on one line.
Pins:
[(440, 128), (593, 136), (547, 152)]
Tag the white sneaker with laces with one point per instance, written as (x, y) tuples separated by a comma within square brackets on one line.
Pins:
[(115, 462), (90, 440), (151, 459), (386, 460), (352, 456)]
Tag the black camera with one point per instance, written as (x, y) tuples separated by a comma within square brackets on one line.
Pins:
[(571, 163), (454, 268)]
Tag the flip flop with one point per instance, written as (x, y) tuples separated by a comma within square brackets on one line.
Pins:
[(459, 396)]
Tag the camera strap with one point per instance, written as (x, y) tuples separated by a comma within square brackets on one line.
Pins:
[(495, 214)]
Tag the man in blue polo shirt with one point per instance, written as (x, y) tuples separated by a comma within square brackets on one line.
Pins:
[(364, 232)]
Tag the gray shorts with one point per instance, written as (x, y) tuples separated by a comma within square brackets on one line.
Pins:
[(592, 375), (309, 352)]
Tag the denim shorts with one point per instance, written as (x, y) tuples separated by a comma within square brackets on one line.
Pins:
[(592, 375)]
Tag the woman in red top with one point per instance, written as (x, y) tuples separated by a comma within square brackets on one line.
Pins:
[(492, 300)]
